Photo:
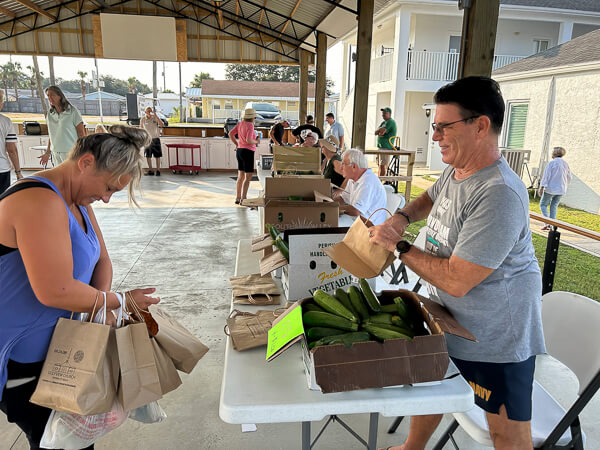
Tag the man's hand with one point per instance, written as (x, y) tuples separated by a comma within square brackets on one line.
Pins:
[(18, 174), (541, 191), (388, 234)]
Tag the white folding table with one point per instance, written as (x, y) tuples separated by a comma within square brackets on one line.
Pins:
[(256, 391)]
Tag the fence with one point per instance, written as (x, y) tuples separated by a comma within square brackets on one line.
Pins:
[(87, 107), (381, 68)]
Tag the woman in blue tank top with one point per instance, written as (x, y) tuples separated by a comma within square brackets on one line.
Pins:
[(53, 260)]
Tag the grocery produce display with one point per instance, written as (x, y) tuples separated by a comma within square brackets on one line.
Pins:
[(356, 316), (278, 241)]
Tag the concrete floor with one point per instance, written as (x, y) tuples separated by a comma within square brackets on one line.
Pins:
[(183, 242)]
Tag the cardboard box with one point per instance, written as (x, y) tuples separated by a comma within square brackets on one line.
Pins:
[(297, 159), (309, 266), (366, 365)]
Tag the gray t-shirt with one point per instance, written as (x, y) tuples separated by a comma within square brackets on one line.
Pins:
[(484, 219)]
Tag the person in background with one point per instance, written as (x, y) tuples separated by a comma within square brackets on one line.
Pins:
[(309, 125), (100, 129), (245, 145), (335, 128), (65, 126), (553, 186), (364, 194), (332, 162), (152, 124), (53, 260), (8, 149), (310, 139), (386, 130), (277, 132)]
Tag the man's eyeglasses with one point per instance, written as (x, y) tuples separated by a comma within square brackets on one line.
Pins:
[(439, 127)]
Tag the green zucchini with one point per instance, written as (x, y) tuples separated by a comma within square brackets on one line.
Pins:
[(321, 332), (404, 331), (344, 299), (311, 307), (346, 339), (402, 309), (324, 319), (356, 298), (400, 322), (383, 334), (381, 318), (294, 198), (372, 300), (272, 231), (391, 308), (283, 248), (332, 305)]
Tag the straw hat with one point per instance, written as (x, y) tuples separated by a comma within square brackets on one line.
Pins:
[(249, 113), (331, 143)]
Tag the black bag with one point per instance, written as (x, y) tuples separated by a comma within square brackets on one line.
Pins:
[(32, 128)]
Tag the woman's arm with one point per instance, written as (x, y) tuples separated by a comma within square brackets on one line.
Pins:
[(80, 130), (103, 273)]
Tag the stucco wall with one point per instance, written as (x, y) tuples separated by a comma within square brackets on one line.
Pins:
[(574, 126)]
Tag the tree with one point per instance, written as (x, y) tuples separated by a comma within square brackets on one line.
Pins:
[(197, 81), (266, 72), (131, 84), (14, 73), (82, 76), (31, 80), (168, 91), (38, 77)]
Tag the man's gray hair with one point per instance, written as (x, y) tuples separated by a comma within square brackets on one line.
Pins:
[(356, 157), (559, 152)]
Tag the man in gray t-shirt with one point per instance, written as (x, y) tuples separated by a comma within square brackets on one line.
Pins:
[(478, 261)]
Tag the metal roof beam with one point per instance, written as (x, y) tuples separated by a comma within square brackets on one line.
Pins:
[(7, 12), (337, 4), (32, 6)]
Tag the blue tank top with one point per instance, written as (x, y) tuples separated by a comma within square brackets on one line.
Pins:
[(26, 325)]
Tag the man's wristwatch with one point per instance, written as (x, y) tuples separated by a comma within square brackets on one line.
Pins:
[(402, 247), (402, 213)]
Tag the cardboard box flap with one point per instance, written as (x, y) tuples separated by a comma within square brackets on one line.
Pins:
[(271, 262), (322, 198), (357, 255), (445, 319), (283, 187), (261, 242), (285, 332), (253, 202), (303, 159)]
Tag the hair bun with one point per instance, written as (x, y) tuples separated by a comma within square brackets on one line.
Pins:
[(137, 136)]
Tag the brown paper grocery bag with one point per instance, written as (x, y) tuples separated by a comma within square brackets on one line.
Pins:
[(357, 255), (81, 369), (255, 289), (179, 344), (139, 383), (248, 330), (167, 373)]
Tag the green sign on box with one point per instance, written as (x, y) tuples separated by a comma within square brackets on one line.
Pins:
[(287, 329)]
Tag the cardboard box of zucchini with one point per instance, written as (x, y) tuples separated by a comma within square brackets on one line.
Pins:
[(356, 340)]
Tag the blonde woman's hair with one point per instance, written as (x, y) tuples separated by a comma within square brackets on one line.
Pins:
[(118, 152), (559, 152)]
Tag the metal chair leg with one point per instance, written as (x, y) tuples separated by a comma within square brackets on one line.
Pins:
[(395, 425), (447, 436)]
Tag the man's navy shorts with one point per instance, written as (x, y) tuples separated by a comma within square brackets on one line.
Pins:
[(497, 384)]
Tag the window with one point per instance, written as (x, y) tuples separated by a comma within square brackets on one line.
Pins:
[(351, 68), (216, 105), (517, 121), (228, 104), (539, 45), (291, 104)]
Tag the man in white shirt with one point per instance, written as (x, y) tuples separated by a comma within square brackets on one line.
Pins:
[(152, 124), (8, 149), (364, 194)]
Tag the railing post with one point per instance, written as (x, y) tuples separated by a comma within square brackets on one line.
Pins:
[(550, 260)]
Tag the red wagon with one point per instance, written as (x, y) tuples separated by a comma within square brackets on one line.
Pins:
[(193, 149)]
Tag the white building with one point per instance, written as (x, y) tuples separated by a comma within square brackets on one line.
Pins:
[(552, 100), (167, 102), (416, 51)]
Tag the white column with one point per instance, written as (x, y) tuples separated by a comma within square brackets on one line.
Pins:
[(401, 40), (565, 32)]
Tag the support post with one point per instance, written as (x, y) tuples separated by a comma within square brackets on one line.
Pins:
[(321, 82), (478, 38), (181, 113), (363, 67), (303, 105), (51, 68), (154, 85)]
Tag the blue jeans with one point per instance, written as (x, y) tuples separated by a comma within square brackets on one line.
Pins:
[(553, 201)]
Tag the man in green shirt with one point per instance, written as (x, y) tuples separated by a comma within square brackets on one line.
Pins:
[(386, 130)]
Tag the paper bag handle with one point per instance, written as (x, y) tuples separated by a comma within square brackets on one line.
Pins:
[(380, 209)]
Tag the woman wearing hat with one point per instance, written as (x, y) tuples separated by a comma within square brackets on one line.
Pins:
[(332, 164), (245, 147)]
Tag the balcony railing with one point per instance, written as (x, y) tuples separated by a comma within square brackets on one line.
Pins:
[(443, 66), (221, 115), (381, 68)]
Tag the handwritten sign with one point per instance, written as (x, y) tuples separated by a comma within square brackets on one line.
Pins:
[(288, 328)]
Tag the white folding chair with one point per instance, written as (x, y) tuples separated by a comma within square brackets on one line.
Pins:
[(572, 335), (394, 201)]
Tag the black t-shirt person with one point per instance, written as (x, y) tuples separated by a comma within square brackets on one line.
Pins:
[(278, 131)]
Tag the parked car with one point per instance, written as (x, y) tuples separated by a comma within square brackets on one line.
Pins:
[(268, 114)]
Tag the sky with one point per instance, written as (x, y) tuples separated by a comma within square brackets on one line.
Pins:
[(67, 68)]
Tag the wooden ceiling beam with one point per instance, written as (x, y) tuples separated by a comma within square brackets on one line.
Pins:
[(287, 22), (7, 12), (32, 6)]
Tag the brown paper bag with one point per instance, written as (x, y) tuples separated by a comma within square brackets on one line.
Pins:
[(167, 373), (139, 383), (357, 255), (81, 369), (248, 330), (179, 344), (255, 289)]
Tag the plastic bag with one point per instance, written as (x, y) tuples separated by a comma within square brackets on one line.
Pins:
[(150, 413), (74, 432)]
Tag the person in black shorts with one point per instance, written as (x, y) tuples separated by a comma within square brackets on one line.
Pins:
[(152, 124), (245, 138)]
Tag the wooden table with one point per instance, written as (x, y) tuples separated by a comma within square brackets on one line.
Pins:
[(393, 171)]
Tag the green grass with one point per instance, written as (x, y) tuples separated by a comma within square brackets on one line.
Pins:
[(571, 215)]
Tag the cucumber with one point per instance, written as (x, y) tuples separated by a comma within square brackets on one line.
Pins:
[(383, 334), (283, 248), (324, 319), (346, 339), (356, 298), (402, 309), (392, 308), (311, 307), (369, 295), (404, 331), (332, 305), (341, 295), (399, 322), (321, 332), (294, 198), (381, 318), (272, 231)]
